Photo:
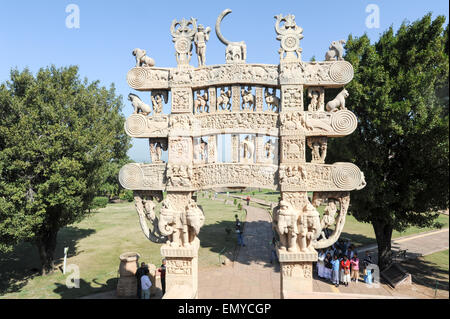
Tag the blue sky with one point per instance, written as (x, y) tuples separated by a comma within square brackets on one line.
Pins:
[(34, 34)]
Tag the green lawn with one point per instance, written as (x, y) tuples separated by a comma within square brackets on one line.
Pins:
[(95, 245)]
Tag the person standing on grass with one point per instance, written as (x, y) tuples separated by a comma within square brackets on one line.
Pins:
[(145, 285), (139, 274), (335, 270), (248, 200), (345, 266), (162, 271), (355, 267)]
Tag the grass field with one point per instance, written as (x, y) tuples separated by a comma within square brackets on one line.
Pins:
[(95, 245), (360, 234)]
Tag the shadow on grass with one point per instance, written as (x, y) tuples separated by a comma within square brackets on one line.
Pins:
[(86, 288), (23, 263), (428, 274)]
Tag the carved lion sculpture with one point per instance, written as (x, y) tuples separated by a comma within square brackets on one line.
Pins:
[(338, 102), (142, 59), (336, 51), (139, 105)]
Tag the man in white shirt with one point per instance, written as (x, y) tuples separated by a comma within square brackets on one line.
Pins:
[(145, 284)]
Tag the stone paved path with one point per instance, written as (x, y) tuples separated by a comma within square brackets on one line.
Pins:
[(251, 275)]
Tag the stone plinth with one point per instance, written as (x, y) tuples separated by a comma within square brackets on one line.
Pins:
[(296, 272), (181, 270), (127, 285)]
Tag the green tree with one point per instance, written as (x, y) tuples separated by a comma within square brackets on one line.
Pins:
[(58, 134), (400, 95)]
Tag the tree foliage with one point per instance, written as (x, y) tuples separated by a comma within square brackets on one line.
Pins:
[(58, 137), (400, 95)]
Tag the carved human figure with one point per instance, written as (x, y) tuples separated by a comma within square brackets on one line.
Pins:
[(286, 217), (248, 148), (138, 105), (149, 209), (201, 151), (315, 94), (142, 59), (200, 39), (328, 218), (336, 51), (158, 97), (269, 149), (338, 102), (318, 146)]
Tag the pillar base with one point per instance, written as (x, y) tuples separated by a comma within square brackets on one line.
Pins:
[(181, 271), (296, 272)]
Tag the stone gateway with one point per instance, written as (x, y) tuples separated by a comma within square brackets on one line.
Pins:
[(275, 115)]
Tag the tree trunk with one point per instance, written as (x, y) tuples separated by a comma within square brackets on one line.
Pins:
[(383, 233), (46, 244)]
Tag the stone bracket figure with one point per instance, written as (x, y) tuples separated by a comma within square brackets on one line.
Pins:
[(138, 105), (318, 146), (236, 52), (338, 102), (157, 145), (145, 207), (316, 94), (200, 39), (158, 96)]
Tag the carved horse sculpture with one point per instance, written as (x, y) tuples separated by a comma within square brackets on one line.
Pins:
[(248, 99), (272, 100), (201, 103), (139, 105), (224, 100)]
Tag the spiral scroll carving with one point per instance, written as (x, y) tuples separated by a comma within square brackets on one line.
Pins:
[(344, 122), (136, 124), (130, 176), (136, 77), (341, 72), (346, 176)]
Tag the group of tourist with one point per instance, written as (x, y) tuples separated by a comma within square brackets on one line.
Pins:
[(144, 283), (343, 266)]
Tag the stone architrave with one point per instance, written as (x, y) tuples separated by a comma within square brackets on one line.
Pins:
[(230, 100)]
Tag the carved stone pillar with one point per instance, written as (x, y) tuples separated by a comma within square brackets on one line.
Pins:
[(181, 220), (212, 149), (235, 98), (212, 95), (259, 99), (259, 148), (235, 148)]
